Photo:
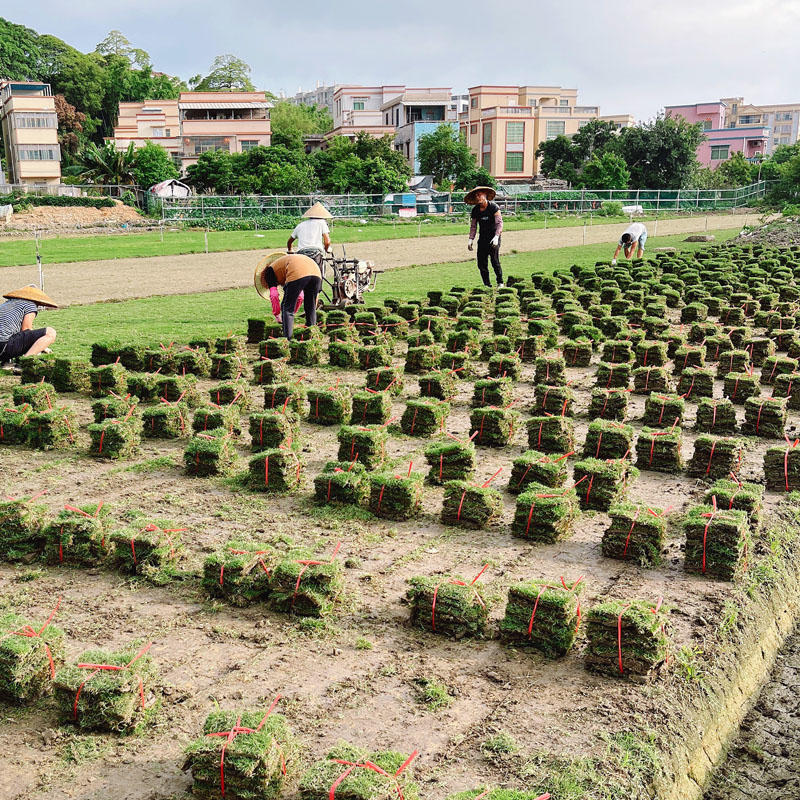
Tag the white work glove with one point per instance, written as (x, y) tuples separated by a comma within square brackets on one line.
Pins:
[(613, 261), (495, 241), (470, 244)]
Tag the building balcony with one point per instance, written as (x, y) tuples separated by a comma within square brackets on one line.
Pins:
[(508, 111), (591, 110), (225, 127)]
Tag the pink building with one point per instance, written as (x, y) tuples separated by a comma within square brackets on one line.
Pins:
[(721, 142)]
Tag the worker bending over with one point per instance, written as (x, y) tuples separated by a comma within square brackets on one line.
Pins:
[(17, 334), (295, 273), (634, 234)]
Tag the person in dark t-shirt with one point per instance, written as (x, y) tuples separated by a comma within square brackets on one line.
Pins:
[(487, 221)]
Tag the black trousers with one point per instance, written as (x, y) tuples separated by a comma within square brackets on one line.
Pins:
[(311, 285), (486, 252)]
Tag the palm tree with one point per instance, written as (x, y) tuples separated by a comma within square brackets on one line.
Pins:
[(106, 165)]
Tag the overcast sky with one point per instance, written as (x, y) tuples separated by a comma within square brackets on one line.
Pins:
[(626, 57)]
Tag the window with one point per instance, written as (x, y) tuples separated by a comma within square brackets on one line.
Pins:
[(487, 132), (360, 103), (158, 133), (486, 161), (555, 127), (473, 128), (563, 102), (750, 119), (36, 152), (248, 144), (515, 132), (34, 120), (706, 124), (514, 162), (783, 129), (783, 116), (167, 132), (473, 102), (720, 152)]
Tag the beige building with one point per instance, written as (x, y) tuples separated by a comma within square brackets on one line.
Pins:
[(29, 128), (619, 121), (783, 119)]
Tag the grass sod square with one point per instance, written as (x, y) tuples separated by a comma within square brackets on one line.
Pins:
[(739, 386), (765, 417), (115, 407), (276, 470), (555, 400), (468, 506), (224, 367), (737, 361), (277, 348), (143, 385), (70, 375), (115, 438), (78, 537), (493, 427), (420, 360), (689, 356), (34, 369), (424, 416), (420, 339), (651, 379), (450, 606), (271, 429), (662, 410), (542, 615), (142, 549), (211, 453), (230, 344), (188, 361), (54, 429), (394, 496), (161, 359), (306, 352), (283, 396), (205, 343), (39, 396), (617, 351), (112, 700), (651, 354), (717, 347), (695, 383), (21, 529), (531, 347), (737, 496), (505, 365), (108, 379), (370, 407), (439, 385), (342, 482), (239, 573), (450, 461), (608, 404), (600, 484), (761, 348), (551, 371), (717, 541), (626, 639), (305, 585), (179, 388), (788, 386), (210, 417), (613, 376), (256, 330), (493, 392), (463, 340), (373, 356), (329, 406), (255, 762), (492, 345), (551, 434), (660, 449), (636, 533), (606, 439), (364, 444), (782, 468), (716, 416), (385, 379), (715, 457), (343, 355), (461, 365), (774, 366), (536, 467), (14, 423), (544, 514), (269, 370)]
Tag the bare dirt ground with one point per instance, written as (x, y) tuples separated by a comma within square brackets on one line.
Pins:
[(68, 218), (121, 279), (209, 653)]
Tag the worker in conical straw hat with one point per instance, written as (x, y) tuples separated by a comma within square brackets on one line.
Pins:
[(312, 234), (17, 314), (487, 221)]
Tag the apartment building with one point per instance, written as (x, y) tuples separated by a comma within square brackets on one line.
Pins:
[(619, 121), (29, 129), (195, 123), (414, 113), (320, 96), (783, 119)]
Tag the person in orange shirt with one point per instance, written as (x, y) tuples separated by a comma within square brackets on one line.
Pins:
[(297, 274)]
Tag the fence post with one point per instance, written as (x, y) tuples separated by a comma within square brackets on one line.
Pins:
[(205, 236)]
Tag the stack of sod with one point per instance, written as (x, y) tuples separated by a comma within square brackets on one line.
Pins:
[(191, 362), (231, 393), (543, 514), (304, 585), (239, 573), (210, 417), (71, 375), (739, 386), (176, 388), (694, 312), (306, 352), (765, 417), (695, 383), (600, 484), (370, 408), (385, 379), (329, 406), (747, 497), (556, 400), (256, 330), (253, 761), (396, 497), (277, 348), (390, 779), (224, 367), (420, 360), (342, 482), (715, 457), (205, 343), (493, 392), (159, 360), (651, 379), (459, 364), (776, 366), (689, 356), (211, 453), (718, 347), (716, 416), (659, 449), (342, 354), (609, 404), (377, 355), (111, 700), (269, 370), (34, 369), (636, 532), (115, 438), (450, 461), (502, 365), (276, 470), (272, 429), (551, 434), (607, 439), (364, 444), (30, 650), (531, 347), (468, 506), (788, 386), (143, 385), (450, 606), (39, 396), (536, 467), (229, 344), (542, 615), (782, 468), (78, 537), (550, 370), (618, 351), (493, 427), (52, 430), (14, 424), (424, 416), (439, 385), (662, 411), (285, 396), (577, 353), (104, 352), (625, 639), (613, 376), (761, 348), (108, 379), (143, 549), (651, 354), (733, 361), (717, 541), (21, 522), (421, 339)]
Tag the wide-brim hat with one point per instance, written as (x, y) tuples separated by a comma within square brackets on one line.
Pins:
[(471, 197), (318, 211), (33, 294), (261, 268)]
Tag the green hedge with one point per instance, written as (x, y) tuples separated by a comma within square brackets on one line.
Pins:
[(23, 200)]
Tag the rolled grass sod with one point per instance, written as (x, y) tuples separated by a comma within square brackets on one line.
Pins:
[(211, 453), (366, 444), (71, 375), (782, 468), (211, 417), (551, 434), (551, 371), (21, 529), (449, 606), (39, 396), (543, 616), (397, 497), (78, 537), (493, 427), (115, 438), (305, 585), (717, 541), (545, 515), (96, 696), (450, 461), (536, 467), (600, 484), (145, 549), (276, 470), (108, 379), (54, 429), (663, 410), (439, 385), (329, 406), (282, 396), (239, 572), (660, 449), (606, 439), (385, 379), (272, 429), (765, 417), (739, 386), (609, 404), (424, 416), (269, 370), (14, 424), (468, 506), (716, 416), (739, 496), (613, 376), (342, 482), (637, 533), (492, 392), (715, 457)]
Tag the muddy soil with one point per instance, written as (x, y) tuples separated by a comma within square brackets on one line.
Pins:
[(70, 218)]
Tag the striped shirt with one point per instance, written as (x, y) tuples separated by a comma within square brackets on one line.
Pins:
[(12, 312)]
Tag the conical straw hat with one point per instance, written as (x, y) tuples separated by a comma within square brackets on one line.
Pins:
[(470, 198), (318, 211), (33, 294), (261, 268)]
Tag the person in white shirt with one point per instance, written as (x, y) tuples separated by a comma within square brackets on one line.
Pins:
[(312, 234), (634, 234)]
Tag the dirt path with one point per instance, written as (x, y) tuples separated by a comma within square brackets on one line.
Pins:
[(122, 279)]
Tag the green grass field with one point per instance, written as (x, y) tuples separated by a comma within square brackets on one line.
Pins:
[(178, 318), (22, 252)]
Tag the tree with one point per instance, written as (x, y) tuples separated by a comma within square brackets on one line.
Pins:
[(559, 159), (290, 123), (213, 172), (788, 187), (476, 176), (70, 127), (106, 165), (371, 175), (324, 161), (444, 154), (19, 51), (228, 73), (595, 136), (152, 165), (736, 171), (605, 171), (114, 44)]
